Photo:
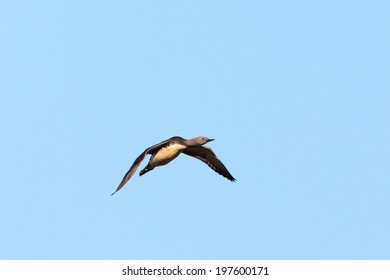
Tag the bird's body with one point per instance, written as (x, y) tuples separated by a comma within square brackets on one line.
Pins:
[(166, 154), (166, 151)]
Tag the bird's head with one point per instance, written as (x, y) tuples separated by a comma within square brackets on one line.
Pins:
[(201, 140)]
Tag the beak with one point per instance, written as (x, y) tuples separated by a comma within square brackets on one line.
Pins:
[(210, 140)]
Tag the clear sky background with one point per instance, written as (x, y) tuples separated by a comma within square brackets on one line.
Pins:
[(296, 93)]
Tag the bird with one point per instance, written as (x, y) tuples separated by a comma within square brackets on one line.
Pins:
[(167, 150)]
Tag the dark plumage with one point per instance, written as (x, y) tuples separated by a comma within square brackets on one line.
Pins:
[(166, 151)]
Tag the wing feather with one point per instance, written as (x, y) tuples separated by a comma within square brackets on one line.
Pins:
[(138, 161), (207, 155)]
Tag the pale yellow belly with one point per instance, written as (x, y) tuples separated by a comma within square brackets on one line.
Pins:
[(166, 155)]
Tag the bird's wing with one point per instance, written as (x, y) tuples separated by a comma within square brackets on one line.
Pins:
[(206, 155), (138, 161)]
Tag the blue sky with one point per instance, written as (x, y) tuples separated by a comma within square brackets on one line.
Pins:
[(296, 94)]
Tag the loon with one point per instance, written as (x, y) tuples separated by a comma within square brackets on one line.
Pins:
[(166, 151)]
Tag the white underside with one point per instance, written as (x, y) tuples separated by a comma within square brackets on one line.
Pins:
[(166, 155)]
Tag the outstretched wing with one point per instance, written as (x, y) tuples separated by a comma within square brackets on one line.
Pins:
[(206, 155), (138, 161)]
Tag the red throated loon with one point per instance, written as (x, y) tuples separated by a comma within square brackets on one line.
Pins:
[(166, 151)]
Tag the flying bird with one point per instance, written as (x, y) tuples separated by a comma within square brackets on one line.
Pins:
[(166, 151)]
